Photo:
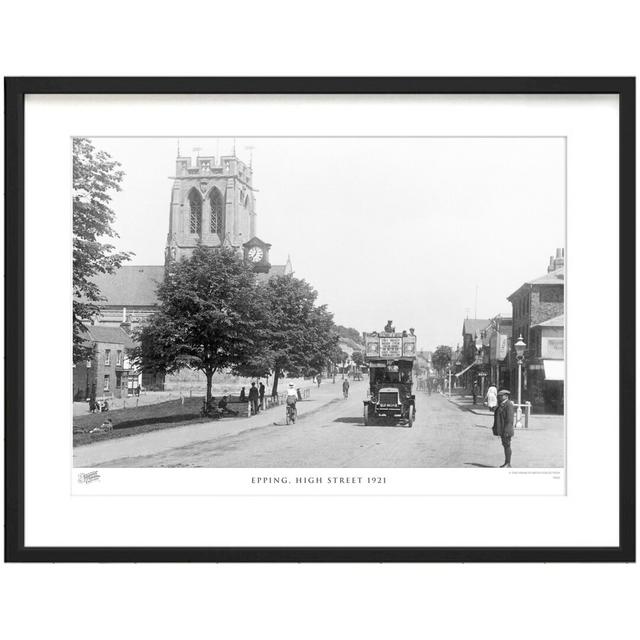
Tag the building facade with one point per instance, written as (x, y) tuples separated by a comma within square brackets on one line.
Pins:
[(534, 303), (108, 373), (211, 203)]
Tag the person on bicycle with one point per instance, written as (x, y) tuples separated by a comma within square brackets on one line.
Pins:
[(292, 398)]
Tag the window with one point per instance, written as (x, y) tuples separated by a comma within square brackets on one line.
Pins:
[(107, 356), (107, 382), (195, 212), (216, 224), (119, 358)]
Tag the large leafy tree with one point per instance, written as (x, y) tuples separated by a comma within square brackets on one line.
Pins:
[(296, 335), (209, 319), (441, 357), (95, 177)]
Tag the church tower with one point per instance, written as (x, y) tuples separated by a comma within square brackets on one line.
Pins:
[(212, 203)]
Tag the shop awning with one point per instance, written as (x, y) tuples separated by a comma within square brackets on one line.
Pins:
[(457, 375), (554, 369)]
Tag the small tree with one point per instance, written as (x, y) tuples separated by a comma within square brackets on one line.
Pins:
[(95, 176), (441, 357), (358, 361), (209, 316)]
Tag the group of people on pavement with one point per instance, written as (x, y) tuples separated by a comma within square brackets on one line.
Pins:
[(256, 397)]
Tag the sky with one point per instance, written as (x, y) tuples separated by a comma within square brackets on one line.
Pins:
[(423, 231)]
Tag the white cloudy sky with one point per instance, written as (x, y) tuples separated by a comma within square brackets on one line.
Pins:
[(400, 228)]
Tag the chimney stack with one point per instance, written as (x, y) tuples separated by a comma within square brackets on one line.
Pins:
[(557, 262)]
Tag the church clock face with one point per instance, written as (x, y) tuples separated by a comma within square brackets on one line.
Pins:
[(255, 254)]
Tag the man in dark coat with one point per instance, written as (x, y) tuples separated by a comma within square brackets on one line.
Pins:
[(261, 391), (253, 398), (503, 424)]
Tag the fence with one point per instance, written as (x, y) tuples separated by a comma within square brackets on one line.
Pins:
[(120, 401), (280, 398)]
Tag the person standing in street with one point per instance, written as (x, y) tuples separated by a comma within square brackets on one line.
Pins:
[(474, 391), (261, 393), (503, 424), (345, 388), (492, 397), (253, 399), (318, 379)]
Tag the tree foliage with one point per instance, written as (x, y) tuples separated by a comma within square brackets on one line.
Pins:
[(95, 177), (441, 357), (358, 358), (296, 335), (210, 316), (349, 333)]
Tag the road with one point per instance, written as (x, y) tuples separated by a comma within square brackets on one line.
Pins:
[(443, 435)]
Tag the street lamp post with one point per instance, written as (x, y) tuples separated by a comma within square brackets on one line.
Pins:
[(520, 346), (449, 372)]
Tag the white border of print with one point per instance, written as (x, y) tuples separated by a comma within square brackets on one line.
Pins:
[(55, 517)]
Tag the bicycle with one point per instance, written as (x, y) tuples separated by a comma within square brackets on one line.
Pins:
[(292, 414)]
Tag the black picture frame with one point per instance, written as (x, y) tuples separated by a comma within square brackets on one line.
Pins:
[(15, 91)]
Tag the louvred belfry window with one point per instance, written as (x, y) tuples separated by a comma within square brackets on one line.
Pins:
[(217, 211), (195, 207)]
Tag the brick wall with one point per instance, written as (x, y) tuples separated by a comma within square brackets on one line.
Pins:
[(541, 309), (83, 378), (102, 369)]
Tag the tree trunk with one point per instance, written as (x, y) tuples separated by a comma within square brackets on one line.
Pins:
[(276, 377), (209, 375)]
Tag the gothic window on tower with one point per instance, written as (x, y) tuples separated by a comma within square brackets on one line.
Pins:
[(216, 223), (195, 212)]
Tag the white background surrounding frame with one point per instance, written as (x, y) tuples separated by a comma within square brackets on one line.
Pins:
[(53, 517), (373, 601)]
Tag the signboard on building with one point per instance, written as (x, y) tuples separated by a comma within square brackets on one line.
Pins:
[(553, 348), (502, 346), (499, 347)]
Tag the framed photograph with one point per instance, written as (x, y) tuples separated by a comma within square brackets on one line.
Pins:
[(320, 319)]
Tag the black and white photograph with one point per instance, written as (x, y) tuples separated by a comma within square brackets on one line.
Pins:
[(292, 324), (319, 302)]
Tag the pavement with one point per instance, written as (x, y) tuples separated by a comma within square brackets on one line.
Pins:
[(466, 402), (330, 433), (154, 442)]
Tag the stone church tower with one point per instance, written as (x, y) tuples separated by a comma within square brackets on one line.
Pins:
[(212, 204)]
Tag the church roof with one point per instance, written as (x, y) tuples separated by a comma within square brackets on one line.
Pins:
[(135, 286), (276, 270), (131, 285)]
